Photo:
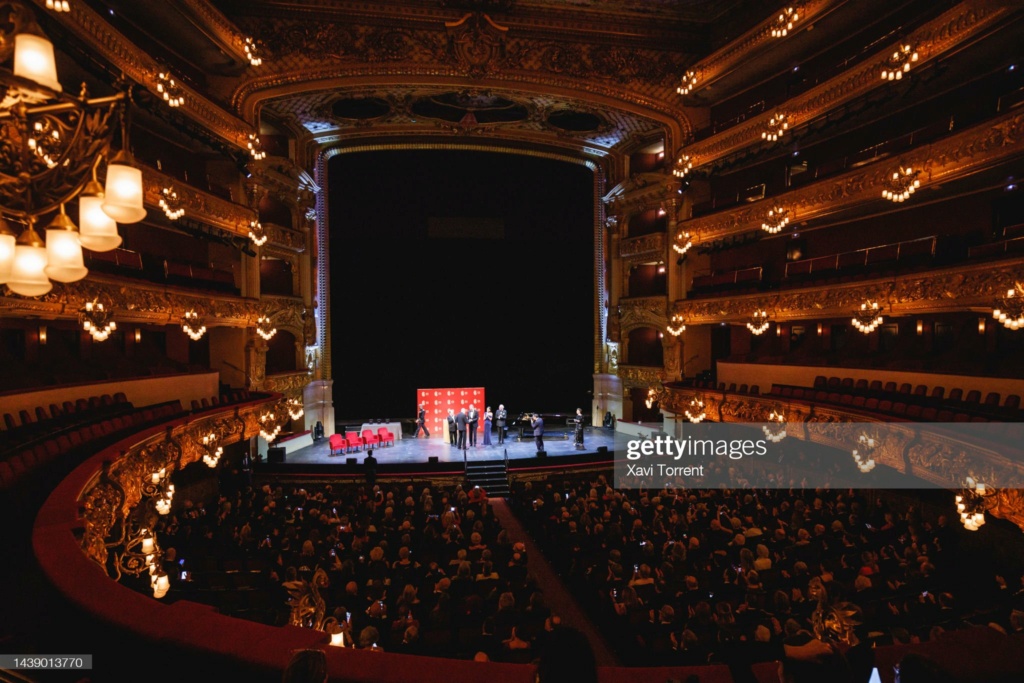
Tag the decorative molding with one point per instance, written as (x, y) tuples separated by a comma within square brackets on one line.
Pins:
[(199, 205), (730, 56), (954, 157), (289, 383), (646, 246), (218, 27), (642, 312), (640, 192), (141, 302), (938, 291), (957, 25), (108, 500), (941, 458), (634, 376), (89, 27)]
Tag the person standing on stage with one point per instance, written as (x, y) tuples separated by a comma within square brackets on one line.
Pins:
[(474, 419), (537, 422), (488, 417), (500, 418), (421, 422), (451, 427), (578, 432), (460, 424)]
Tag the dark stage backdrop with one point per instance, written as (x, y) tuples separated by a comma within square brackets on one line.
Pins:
[(460, 269)]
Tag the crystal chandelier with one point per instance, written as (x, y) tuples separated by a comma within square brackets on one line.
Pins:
[(775, 128), (901, 184), (688, 83), (758, 322), (682, 166), (257, 234), (252, 51), (899, 63), (294, 408), (695, 410), (265, 327), (256, 147), (866, 444), (784, 22), (777, 219), (170, 202), (192, 324), (55, 143), (1010, 309), (682, 242), (211, 450), (868, 318), (172, 93), (971, 504), (97, 320), (677, 325), (775, 429)]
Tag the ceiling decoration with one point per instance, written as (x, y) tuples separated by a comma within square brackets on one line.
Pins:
[(412, 110)]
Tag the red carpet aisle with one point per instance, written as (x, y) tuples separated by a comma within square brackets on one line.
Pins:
[(555, 594)]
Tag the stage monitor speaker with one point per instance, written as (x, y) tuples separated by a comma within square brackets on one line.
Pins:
[(276, 454), (351, 461), (542, 454), (432, 460), (602, 449)]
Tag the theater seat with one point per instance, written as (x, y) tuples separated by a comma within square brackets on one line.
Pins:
[(992, 400), (973, 396), (369, 438), (938, 392), (337, 443), (956, 395), (385, 435)]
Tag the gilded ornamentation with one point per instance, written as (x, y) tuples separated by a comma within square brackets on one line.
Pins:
[(952, 28), (652, 245), (931, 292), (107, 503), (956, 156), (290, 383), (642, 312), (636, 376), (198, 205)]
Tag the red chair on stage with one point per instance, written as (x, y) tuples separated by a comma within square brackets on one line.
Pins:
[(354, 440), (338, 443), (385, 435), (370, 439)]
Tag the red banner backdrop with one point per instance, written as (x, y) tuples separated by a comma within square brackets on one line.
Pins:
[(438, 401)]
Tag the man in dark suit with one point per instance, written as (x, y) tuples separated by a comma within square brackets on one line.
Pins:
[(421, 422), (474, 418), (451, 426), (370, 467), (460, 424), (537, 422), (500, 419)]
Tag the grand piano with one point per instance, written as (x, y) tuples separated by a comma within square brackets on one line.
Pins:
[(556, 425)]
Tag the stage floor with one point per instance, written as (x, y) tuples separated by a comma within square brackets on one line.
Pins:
[(416, 451)]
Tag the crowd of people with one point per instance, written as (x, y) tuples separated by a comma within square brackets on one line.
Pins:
[(405, 568), (741, 576)]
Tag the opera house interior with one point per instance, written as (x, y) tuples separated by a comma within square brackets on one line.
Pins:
[(800, 219)]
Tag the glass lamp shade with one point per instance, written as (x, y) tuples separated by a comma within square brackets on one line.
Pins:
[(64, 251), (123, 201), (33, 59), (28, 276), (97, 231), (6, 254)]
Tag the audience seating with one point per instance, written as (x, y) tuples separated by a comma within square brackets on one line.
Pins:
[(906, 401), (385, 435)]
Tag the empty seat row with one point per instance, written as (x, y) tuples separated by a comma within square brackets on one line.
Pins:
[(28, 416), (14, 468)]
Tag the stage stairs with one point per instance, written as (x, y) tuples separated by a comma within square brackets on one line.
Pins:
[(490, 475)]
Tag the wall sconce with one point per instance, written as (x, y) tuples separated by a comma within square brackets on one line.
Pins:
[(920, 327), (820, 329), (661, 269), (138, 335), (778, 330), (981, 326), (42, 335)]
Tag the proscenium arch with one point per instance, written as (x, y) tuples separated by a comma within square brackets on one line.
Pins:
[(323, 309), (250, 96)]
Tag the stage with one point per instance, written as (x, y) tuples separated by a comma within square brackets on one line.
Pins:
[(409, 451)]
